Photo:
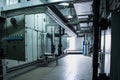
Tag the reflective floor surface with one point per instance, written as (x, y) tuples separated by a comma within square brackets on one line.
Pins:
[(70, 67)]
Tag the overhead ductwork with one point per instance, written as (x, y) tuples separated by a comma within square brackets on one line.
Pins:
[(61, 22)]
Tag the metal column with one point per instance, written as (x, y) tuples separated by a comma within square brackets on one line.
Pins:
[(96, 5)]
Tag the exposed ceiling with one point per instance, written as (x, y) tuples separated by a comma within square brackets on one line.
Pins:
[(73, 14), (79, 15)]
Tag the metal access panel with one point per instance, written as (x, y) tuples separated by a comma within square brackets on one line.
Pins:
[(48, 45), (41, 22), (29, 45), (30, 21), (39, 44), (14, 38), (35, 45)]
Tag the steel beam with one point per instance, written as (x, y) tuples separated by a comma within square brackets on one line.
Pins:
[(96, 5)]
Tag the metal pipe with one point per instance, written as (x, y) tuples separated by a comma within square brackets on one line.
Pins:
[(52, 42), (60, 44), (96, 5)]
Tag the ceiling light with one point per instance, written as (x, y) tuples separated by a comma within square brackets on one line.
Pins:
[(69, 16), (64, 4)]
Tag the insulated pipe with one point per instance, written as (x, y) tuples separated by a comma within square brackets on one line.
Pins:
[(96, 5)]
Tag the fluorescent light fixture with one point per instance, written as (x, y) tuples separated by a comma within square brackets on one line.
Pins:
[(64, 4), (69, 16), (82, 17)]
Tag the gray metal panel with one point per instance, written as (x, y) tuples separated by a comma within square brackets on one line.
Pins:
[(11, 63), (34, 45), (16, 50), (29, 21), (36, 22), (39, 44), (15, 47), (44, 22), (48, 45), (40, 21), (29, 44), (43, 43)]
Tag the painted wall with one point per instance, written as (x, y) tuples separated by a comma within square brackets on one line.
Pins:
[(75, 43)]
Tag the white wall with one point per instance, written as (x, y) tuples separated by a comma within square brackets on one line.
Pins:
[(75, 43)]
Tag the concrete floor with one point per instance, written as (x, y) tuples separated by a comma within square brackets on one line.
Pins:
[(70, 67)]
